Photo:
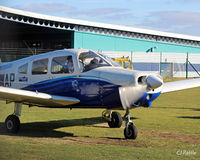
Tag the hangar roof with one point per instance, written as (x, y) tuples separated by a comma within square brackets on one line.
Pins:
[(94, 27)]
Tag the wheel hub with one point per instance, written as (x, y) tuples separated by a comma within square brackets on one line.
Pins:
[(9, 124), (129, 132)]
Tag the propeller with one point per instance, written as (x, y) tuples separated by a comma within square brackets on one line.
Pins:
[(153, 81), (129, 95)]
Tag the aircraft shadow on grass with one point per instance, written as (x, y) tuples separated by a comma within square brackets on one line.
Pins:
[(196, 109), (187, 108), (48, 129), (189, 117)]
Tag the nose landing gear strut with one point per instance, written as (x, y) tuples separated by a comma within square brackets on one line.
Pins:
[(130, 131)]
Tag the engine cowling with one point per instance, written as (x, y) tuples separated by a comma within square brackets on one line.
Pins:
[(137, 95)]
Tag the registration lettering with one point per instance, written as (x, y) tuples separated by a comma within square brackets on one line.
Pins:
[(6, 80)]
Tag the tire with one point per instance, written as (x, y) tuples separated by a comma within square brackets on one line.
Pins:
[(116, 120), (132, 132), (12, 124)]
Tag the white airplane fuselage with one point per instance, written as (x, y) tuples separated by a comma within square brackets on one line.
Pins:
[(99, 87)]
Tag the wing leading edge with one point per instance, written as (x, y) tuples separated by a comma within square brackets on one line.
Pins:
[(35, 98), (180, 85)]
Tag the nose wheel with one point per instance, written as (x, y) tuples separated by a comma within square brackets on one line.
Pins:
[(130, 131)]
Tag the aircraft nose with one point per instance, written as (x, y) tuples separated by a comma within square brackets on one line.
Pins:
[(154, 82)]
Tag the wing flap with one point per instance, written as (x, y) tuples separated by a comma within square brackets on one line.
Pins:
[(36, 98), (180, 85)]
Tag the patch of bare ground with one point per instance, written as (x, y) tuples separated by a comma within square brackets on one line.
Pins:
[(106, 141), (168, 136)]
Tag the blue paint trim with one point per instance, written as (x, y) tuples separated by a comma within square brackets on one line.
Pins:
[(68, 77), (147, 99), (5, 66), (54, 80), (88, 91)]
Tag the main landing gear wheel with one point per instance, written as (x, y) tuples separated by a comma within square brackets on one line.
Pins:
[(12, 124), (116, 120)]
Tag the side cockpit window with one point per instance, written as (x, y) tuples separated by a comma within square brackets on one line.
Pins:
[(90, 60), (62, 65), (23, 69), (40, 66)]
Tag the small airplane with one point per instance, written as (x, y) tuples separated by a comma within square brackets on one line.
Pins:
[(79, 78)]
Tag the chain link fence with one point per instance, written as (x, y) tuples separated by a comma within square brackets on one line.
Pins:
[(11, 54), (165, 64)]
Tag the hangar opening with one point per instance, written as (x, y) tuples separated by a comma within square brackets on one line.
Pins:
[(18, 40)]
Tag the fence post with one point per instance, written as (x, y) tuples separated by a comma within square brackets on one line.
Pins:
[(35, 51), (160, 62), (187, 66), (131, 59), (131, 56)]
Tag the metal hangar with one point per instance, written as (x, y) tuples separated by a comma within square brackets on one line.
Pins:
[(25, 33)]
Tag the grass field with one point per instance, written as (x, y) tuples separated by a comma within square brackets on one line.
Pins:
[(168, 130)]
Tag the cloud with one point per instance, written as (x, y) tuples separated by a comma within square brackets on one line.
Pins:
[(64, 10), (174, 21), (123, 19), (106, 15), (44, 7), (191, 0), (188, 1), (98, 12), (53, 7)]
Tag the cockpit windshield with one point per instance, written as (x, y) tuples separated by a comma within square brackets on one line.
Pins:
[(110, 60), (90, 60)]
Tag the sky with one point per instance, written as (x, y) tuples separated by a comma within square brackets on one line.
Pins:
[(177, 16)]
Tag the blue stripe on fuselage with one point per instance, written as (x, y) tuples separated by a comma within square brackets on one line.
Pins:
[(91, 90)]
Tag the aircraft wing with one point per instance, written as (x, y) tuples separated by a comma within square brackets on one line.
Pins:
[(180, 85), (35, 98)]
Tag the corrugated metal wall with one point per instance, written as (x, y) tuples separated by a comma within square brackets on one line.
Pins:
[(113, 43)]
